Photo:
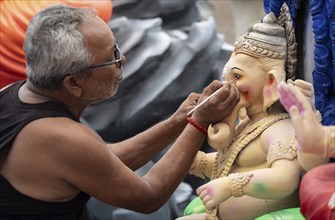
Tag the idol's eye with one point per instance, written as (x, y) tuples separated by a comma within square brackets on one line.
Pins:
[(237, 76)]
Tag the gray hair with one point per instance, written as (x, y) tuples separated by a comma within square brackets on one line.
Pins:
[(54, 46)]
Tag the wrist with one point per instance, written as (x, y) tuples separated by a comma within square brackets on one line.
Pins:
[(201, 121), (197, 125), (174, 124)]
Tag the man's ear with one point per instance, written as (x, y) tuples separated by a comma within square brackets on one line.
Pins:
[(270, 90), (72, 84)]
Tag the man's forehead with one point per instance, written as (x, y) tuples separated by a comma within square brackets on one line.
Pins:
[(97, 30)]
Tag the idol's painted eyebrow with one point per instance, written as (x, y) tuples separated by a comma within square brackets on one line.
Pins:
[(237, 69)]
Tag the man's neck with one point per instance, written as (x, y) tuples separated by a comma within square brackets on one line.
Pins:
[(29, 93)]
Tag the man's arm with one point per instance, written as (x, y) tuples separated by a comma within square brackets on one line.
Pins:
[(87, 164), (155, 139)]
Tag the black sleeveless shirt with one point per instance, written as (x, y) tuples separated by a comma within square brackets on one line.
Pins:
[(14, 115)]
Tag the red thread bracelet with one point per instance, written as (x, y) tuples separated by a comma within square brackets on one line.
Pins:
[(197, 125)]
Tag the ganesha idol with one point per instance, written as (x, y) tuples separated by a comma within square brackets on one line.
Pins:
[(255, 169)]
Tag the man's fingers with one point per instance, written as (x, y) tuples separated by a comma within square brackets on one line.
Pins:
[(211, 88), (228, 93), (223, 94)]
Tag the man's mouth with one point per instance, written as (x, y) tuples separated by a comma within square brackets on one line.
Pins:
[(120, 77)]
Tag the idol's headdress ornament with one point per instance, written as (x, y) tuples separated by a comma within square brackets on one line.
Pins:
[(273, 38)]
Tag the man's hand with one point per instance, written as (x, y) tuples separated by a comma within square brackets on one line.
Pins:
[(180, 116), (219, 106)]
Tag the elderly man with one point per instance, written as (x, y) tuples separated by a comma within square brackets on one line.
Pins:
[(50, 164)]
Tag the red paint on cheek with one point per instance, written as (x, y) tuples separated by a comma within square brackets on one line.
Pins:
[(245, 95)]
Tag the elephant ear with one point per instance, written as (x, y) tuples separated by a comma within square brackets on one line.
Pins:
[(270, 89)]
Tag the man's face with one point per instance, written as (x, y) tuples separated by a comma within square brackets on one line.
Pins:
[(249, 77), (103, 81)]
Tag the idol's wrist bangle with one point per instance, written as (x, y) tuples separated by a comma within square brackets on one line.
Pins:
[(199, 165), (237, 181)]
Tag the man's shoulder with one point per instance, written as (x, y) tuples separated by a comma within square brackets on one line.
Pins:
[(59, 140), (58, 130)]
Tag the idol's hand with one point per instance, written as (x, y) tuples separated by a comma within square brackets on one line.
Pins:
[(306, 88), (309, 132), (214, 192)]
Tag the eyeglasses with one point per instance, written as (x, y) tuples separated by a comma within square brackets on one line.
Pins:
[(118, 60)]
